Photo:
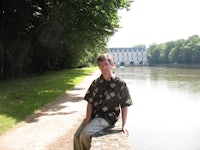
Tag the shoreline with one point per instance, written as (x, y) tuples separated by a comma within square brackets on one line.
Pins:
[(176, 65)]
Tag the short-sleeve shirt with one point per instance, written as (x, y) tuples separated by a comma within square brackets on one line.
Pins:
[(107, 97)]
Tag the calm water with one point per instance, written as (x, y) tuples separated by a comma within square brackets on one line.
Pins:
[(166, 110)]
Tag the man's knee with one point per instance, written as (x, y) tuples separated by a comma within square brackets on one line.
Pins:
[(84, 134)]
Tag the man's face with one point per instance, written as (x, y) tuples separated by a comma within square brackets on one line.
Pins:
[(105, 67)]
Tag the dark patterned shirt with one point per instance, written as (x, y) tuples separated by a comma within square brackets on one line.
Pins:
[(107, 97)]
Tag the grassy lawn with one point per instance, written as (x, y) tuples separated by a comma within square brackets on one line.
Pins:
[(21, 97)]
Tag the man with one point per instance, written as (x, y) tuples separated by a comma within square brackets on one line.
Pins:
[(105, 96)]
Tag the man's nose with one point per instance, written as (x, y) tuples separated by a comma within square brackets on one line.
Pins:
[(104, 66)]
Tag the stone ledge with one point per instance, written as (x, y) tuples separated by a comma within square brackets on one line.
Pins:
[(111, 139)]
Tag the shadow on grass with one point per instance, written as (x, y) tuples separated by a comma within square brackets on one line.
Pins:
[(29, 98)]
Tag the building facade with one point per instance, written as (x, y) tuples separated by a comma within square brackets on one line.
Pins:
[(128, 56)]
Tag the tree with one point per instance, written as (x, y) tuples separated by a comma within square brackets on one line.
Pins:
[(175, 54), (153, 53), (55, 34), (180, 51), (196, 53)]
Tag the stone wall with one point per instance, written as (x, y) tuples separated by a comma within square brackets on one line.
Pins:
[(111, 139)]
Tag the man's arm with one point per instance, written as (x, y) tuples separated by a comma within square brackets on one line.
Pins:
[(88, 113), (124, 118)]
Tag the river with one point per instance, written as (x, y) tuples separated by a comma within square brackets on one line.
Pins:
[(166, 110)]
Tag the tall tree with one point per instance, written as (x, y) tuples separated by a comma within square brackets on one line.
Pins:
[(55, 34)]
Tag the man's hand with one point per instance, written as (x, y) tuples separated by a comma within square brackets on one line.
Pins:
[(125, 131)]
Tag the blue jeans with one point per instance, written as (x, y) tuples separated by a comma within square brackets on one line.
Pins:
[(82, 137)]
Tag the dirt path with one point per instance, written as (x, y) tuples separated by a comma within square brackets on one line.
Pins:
[(52, 127)]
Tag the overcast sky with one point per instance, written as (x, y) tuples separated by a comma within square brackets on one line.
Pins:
[(157, 21)]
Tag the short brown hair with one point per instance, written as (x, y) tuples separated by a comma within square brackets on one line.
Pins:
[(105, 56)]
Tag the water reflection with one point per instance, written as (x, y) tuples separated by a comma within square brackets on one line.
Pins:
[(165, 114)]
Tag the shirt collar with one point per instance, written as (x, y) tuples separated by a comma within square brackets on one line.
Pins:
[(112, 77)]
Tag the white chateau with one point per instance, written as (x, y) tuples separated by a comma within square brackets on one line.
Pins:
[(129, 56)]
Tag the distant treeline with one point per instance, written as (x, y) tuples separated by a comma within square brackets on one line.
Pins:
[(41, 35), (177, 52)]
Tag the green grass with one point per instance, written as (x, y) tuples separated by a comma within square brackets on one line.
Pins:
[(21, 97)]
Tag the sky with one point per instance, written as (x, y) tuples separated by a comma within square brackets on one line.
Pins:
[(157, 21)]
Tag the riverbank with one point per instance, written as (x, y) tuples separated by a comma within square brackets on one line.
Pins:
[(20, 97), (176, 65), (52, 127)]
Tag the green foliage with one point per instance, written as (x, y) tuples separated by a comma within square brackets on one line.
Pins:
[(180, 51), (55, 34), (21, 97)]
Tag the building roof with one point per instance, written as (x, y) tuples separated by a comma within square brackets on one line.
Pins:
[(126, 49)]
